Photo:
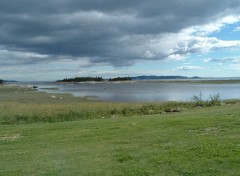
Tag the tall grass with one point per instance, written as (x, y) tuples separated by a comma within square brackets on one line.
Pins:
[(214, 100), (15, 113)]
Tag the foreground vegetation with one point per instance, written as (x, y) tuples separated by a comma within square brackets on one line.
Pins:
[(24, 105), (177, 139)]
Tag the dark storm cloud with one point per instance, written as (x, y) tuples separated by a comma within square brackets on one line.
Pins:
[(105, 31)]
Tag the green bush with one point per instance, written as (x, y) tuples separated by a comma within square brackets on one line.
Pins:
[(198, 100), (214, 100)]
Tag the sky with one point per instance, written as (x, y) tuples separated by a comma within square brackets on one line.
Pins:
[(51, 40)]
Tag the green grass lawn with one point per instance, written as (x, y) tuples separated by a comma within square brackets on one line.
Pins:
[(203, 141)]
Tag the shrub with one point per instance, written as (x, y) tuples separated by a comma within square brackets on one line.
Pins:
[(214, 100), (198, 99)]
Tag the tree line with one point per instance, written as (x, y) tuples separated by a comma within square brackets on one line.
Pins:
[(120, 79), (81, 79), (97, 79)]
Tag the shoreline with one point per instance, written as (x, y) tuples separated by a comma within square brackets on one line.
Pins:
[(148, 91), (186, 81)]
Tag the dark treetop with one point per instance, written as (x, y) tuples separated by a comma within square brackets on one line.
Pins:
[(81, 79), (120, 79)]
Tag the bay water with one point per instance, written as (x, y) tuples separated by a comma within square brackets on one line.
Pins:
[(141, 91)]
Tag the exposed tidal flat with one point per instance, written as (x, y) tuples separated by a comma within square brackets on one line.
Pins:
[(59, 134)]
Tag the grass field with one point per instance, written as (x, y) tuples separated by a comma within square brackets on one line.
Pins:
[(203, 141)]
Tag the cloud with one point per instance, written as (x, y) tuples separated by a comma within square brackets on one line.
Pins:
[(176, 57), (237, 29), (212, 27), (233, 60), (188, 68), (109, 32), (149, 54), (236, 67), (8, 57)]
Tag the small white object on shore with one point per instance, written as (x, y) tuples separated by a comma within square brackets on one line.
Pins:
[(53, 96)]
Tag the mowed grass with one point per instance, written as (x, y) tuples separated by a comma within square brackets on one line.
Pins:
[(197, 142), (204, 141)]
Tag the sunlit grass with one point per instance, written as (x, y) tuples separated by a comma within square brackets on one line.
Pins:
[(196, 142)]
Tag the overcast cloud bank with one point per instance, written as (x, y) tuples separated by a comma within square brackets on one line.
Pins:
[(110, 32)]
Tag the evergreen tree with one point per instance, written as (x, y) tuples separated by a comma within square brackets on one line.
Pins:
[(120, 79), (81, 79)]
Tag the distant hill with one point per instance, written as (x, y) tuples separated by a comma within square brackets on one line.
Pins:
[(10, 81), (6, 81), (144, 77)]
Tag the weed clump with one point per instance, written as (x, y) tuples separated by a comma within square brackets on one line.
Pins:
[(198, 100), (214, 100)]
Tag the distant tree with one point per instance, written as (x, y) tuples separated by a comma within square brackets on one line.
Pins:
[(81, 79), (120, 79), (1, 81)]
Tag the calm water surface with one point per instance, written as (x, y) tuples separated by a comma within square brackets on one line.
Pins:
[(143, 91)]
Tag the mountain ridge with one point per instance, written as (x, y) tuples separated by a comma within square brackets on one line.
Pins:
[(144, 77)]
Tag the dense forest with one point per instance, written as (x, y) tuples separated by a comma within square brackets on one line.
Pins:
[(98, 79), (82, 79), (1, 81)]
